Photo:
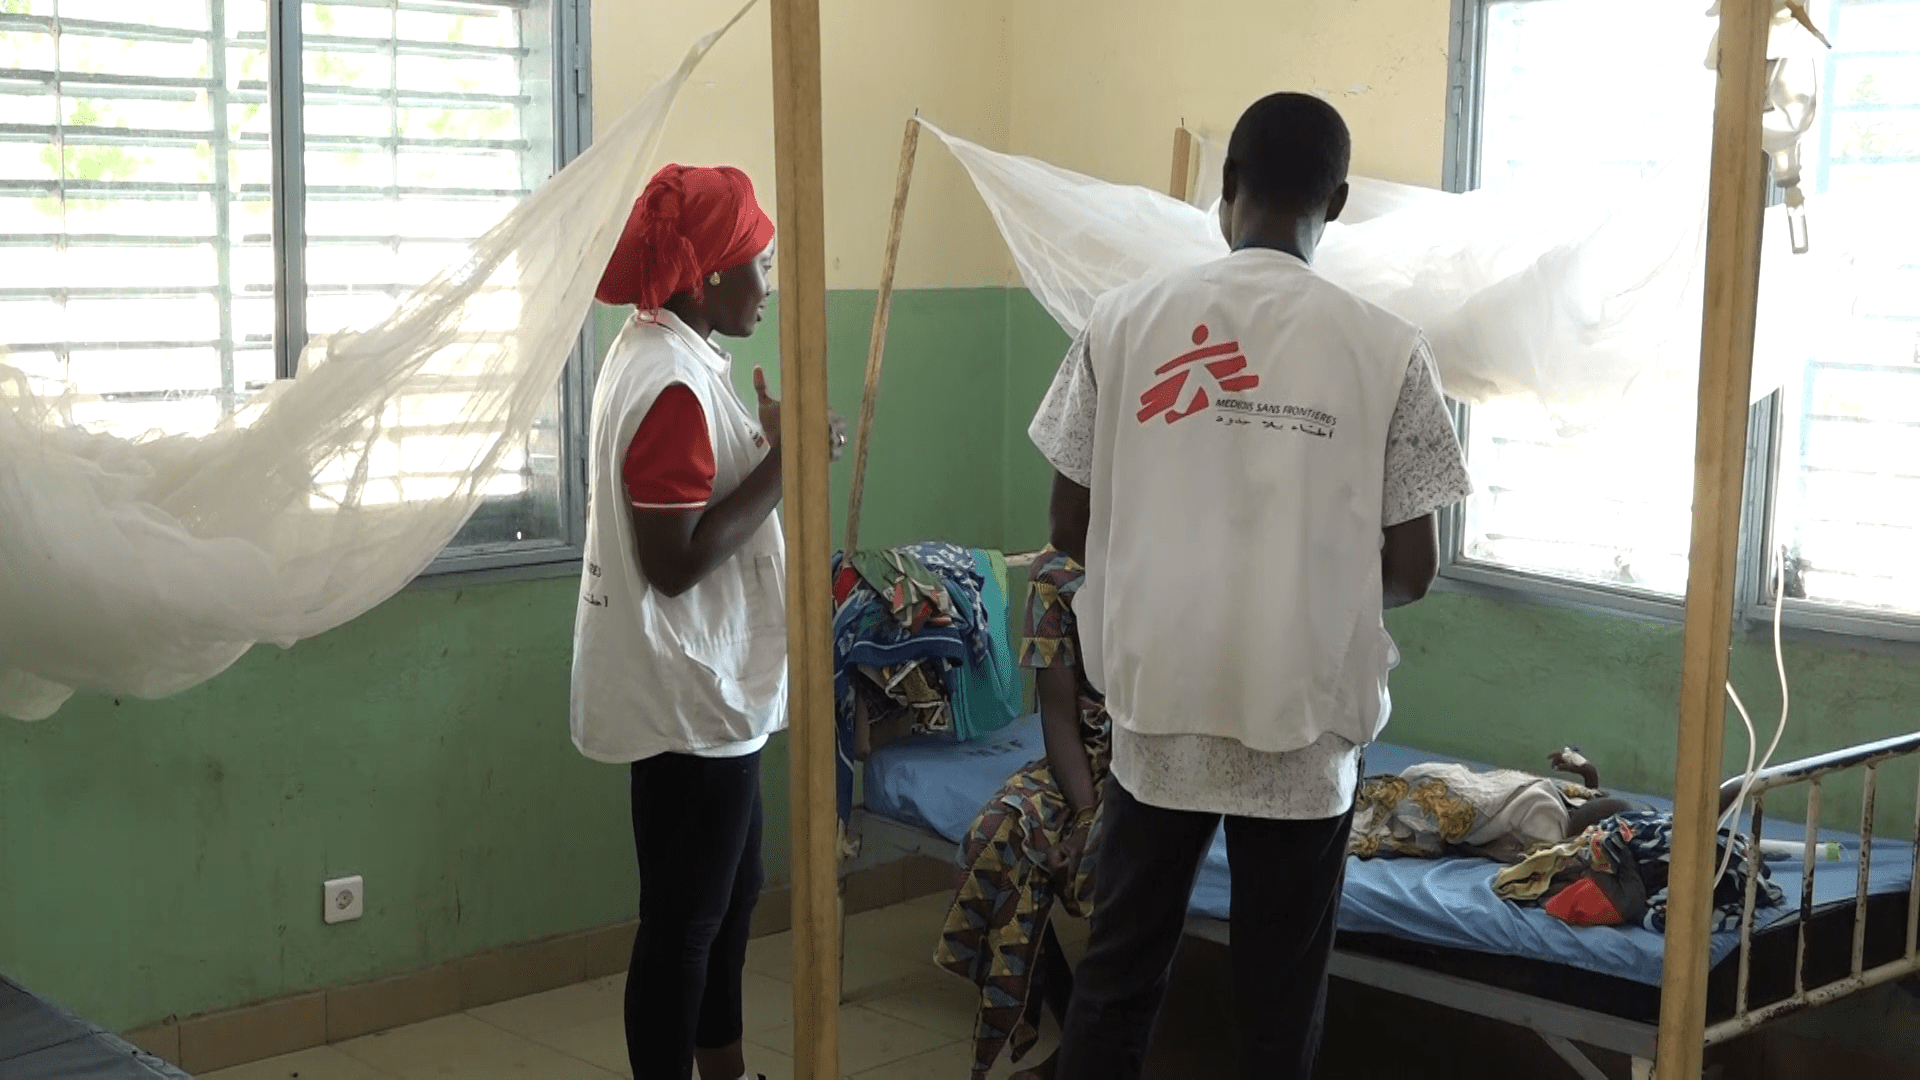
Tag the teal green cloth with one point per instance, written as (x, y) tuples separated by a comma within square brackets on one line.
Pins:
[(989, 694)]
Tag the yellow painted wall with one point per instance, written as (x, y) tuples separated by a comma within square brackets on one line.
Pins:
[(881, 59), (1093, 85), (1099, 85)]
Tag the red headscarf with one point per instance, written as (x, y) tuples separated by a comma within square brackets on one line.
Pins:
[(688, 223)]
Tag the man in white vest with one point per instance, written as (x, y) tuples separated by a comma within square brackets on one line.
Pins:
[(1249, 460)]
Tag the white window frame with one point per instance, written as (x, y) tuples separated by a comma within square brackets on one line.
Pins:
[(1752, 600), (572, 85), (284, 88)]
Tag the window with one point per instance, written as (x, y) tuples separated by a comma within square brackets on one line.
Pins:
[(1848, 479), (1553, 91), (151, 152)]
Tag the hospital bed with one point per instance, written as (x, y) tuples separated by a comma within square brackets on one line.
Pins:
[(42, 1041), (1433, 929)]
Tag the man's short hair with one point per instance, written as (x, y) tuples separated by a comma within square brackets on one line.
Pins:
[(1291, 152)]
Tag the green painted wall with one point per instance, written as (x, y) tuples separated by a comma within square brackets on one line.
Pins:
[(165, 857), (1509, 682), (1035, 347), (935, 467)]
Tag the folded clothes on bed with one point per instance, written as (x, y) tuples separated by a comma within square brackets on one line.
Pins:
[(914, 594), (920, 632)]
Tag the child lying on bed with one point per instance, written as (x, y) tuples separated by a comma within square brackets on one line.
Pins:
[(1439, 808), (1030, 846), (1587, 858), (1444, 808)]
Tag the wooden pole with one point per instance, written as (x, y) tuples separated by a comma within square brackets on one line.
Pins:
[(803, 422), (877, 344), (1180, 185), (1735, 203)]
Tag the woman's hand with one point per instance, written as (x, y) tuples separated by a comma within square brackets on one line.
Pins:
[(769, 409), (1064, 860), (770, 419)]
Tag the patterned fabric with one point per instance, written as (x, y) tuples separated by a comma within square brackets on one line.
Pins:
[(1049, 638), (1437, 808), (1208, 774), (911, 591), (1379, 802), (1062, 429), (994, 929), (1633, 851), (1425, 468), (908, 687)]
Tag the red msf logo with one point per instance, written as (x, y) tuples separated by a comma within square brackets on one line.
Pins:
[(1222, 374)]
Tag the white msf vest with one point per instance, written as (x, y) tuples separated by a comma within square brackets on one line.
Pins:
[(1233, 556), (654, 674)]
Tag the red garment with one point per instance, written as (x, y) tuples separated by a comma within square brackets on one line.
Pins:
[(1583, 904), (688, 223), (669, 464), (844, 583)]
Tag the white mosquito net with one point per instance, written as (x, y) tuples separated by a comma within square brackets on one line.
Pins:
[(147, 566), (1571, 300)]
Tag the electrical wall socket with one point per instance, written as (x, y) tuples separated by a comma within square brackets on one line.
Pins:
[(343, 899)]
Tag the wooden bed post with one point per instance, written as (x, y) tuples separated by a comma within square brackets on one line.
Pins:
[(1180, 185), (877, 344), (803, 391), (1735, 203)]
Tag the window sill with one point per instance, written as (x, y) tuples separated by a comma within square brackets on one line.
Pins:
[(1817, 625), (1889, 633), (484, 566), (1474, 579)]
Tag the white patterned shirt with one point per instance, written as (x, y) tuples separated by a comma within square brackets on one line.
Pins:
[(1425, 471)]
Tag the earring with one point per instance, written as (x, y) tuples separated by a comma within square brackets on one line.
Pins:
[(713, 278)]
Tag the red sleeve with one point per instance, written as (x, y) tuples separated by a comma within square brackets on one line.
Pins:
[(669, 466)]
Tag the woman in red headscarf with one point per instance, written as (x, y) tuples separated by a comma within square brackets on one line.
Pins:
[(680, 646)]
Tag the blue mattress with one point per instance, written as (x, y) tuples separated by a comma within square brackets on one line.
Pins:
[(940, 787)]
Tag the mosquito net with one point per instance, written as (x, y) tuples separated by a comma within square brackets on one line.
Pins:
[(147, 566), (1570, 301)]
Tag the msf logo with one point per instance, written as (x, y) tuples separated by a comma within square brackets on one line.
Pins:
[(1215, 367)]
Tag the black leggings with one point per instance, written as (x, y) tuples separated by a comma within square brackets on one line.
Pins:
[(696, 829)]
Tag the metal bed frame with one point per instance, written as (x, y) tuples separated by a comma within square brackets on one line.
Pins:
[(1567, 1027)]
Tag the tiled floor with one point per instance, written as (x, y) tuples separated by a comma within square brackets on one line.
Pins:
[(906, 1020), (903, 1020)]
